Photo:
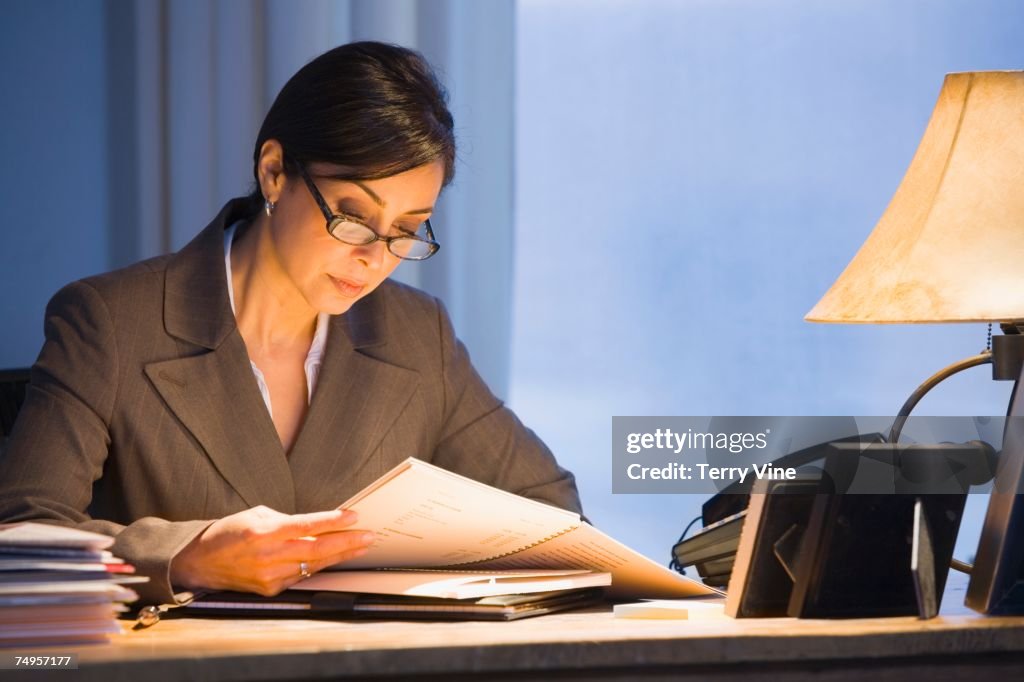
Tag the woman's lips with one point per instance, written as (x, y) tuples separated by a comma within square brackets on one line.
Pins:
[(347, 287)]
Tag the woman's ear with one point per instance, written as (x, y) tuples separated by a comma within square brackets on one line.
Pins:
[(271, 170)]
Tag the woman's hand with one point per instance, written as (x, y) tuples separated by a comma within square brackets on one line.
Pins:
[(259, 550)]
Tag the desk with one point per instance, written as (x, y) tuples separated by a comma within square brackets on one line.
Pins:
[(578, 645)]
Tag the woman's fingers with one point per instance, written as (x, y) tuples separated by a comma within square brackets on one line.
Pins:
[(260, 550), (316, 566), (284, 570), (326, 549), (319, 539), (312, 524)]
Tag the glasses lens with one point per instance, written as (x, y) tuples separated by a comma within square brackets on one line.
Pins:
[(411, 249), (352, 232)]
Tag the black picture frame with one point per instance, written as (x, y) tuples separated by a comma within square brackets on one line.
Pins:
[(854, 559), (761, 582)]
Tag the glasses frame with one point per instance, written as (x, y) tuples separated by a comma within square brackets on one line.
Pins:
[(333, 219)]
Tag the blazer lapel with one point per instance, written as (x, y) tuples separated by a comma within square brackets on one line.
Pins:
[(357, 400), (215, 396), (214, 393)]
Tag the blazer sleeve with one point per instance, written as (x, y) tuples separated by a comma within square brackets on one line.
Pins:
[(61, 440), (482, 439)]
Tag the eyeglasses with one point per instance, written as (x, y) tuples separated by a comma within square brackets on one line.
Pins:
[(347, 229)]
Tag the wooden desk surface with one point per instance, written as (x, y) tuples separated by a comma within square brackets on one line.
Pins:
[(578, 645)]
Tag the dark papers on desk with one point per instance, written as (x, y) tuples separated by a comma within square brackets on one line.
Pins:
[(345, 605)]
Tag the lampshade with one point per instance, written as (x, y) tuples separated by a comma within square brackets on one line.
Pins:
[(950, 246)]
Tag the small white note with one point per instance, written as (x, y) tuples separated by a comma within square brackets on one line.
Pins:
[(672, 609)]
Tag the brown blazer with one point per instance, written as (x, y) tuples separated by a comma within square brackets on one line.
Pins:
[(144, 421)]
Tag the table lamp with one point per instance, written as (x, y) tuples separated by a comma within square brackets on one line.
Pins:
[(950, 248)]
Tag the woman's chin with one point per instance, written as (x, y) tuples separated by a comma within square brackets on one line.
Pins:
[(335, 303), (336, 306)]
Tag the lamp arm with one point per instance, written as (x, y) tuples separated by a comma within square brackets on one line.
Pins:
[(984, 358)]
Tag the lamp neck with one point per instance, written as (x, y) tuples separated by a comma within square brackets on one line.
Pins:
[(1006, 358)]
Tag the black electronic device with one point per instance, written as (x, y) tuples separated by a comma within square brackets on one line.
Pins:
[(711, 550)]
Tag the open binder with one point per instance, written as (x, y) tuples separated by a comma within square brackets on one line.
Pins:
[(428, 517)]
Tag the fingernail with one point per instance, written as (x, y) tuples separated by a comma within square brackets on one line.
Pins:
[(349, 515), (368, 538), (360, 552)]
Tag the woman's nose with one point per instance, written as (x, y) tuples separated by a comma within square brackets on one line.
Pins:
[(372, 255)]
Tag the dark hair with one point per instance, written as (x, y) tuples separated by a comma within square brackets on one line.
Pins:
[(372, 108)]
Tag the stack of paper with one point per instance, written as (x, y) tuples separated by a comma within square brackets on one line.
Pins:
[(420, 594), (59, 586)]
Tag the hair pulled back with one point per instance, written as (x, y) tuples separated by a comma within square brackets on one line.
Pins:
[(371, 108)]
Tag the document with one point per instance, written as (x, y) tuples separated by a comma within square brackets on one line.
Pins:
[(427, 517), (452, 584)]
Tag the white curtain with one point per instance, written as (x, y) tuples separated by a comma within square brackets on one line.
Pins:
[(190, 82)]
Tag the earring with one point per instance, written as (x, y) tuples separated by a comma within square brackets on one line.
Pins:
[(268, 206)]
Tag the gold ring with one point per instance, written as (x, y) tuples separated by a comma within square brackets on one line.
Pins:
[(304, 570)]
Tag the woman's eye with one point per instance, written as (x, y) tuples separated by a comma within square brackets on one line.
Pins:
[(352, 210), (411, 229), (354, 216)]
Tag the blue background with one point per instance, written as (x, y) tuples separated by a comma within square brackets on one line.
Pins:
[(691, 178)]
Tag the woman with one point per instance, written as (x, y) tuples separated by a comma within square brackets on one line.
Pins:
[(210, 409)]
